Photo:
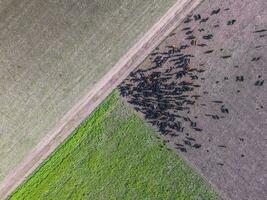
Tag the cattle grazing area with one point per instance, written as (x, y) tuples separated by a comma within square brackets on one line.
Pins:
[(204, 91), (114, 154)]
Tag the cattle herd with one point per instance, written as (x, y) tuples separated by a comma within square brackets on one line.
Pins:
[(165, 89)]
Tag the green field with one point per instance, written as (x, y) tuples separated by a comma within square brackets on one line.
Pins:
[(114, 155)]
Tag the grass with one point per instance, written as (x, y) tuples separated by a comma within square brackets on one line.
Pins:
[(113, 155)]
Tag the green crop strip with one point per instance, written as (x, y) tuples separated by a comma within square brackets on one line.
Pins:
[(114, 154)]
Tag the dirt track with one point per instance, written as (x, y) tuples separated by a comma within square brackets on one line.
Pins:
[(94, 96)]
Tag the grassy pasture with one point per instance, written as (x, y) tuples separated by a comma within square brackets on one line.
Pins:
[(113, 155)]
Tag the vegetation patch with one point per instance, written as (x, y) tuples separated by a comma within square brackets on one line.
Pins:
[(114, 154)]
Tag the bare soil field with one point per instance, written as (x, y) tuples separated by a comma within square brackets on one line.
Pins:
[(204, 90)]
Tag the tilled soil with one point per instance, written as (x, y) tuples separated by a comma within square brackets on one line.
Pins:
[(204, 89)]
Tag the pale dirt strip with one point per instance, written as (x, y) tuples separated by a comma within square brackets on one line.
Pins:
[(97, 94)]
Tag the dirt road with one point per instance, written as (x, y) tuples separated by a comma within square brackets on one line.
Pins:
[(52, 53)]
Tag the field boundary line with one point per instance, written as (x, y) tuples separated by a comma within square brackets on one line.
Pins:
[(73, 118)]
